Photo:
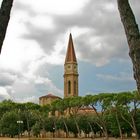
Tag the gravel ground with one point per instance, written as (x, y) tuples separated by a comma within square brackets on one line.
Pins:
[(1, 138)]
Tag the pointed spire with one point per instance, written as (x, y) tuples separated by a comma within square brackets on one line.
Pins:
[(70, 56)]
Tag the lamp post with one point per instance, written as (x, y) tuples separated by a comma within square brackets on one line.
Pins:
[(19, 122)]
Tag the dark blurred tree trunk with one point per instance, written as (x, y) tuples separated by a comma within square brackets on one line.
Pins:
[(4, 19), (133, 36)]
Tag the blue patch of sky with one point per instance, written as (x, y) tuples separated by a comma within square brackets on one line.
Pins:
[(90, 83), (56, 75)]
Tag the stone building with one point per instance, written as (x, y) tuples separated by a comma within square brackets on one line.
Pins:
[(70, 71), (70, 76), (48, 99)]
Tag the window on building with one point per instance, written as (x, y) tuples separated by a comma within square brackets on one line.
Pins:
[(69, 87)]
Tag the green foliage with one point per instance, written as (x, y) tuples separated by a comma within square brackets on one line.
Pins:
[(50, 124), (6, 105), (29, 113), (29, 118), (8, 123), (71, 125), (36, 129), (106, 106), (84, 124)]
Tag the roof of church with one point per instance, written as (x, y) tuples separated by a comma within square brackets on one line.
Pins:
[(70, 56), (50, 96), (86, 110)]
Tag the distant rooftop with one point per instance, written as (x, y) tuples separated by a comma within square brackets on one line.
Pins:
[(50, 96)]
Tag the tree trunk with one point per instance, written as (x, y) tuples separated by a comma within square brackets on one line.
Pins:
[(4, 19), (132, 124), (134, 127), (119, 126), (77, 126), (105, 133), (133, 37), (92, 132), (67, 132), (28, 127), (102, 124)]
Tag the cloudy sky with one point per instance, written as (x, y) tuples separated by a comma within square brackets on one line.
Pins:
[(31, 63)]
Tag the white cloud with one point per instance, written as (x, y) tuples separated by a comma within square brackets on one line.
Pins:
[(77, 31), (17, 52), (110, 6), (42, 21), (33, 99), (7, 78), (56, 58), (4, 94), (37, 38), (61, 7), (31, 84), (0, 2)]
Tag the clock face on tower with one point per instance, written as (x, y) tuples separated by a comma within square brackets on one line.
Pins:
[(71, 68), (68, 67)]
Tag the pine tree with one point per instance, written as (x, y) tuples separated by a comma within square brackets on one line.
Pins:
[(132, 35), (4, 19)]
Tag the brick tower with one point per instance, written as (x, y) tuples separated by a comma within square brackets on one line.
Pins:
[(70, 71)]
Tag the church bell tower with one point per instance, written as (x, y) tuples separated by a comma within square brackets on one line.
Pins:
[(70, 71)]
